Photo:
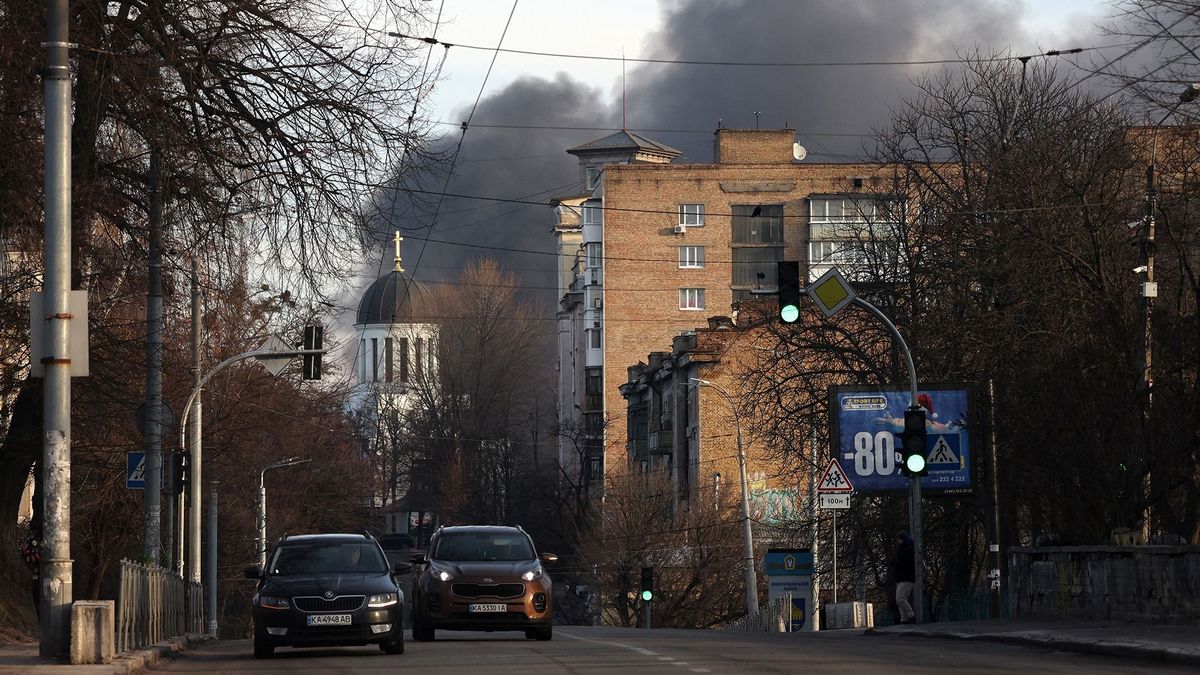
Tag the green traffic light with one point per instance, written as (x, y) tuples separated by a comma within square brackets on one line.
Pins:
[(647, 596), (789, 313), (915, 463)]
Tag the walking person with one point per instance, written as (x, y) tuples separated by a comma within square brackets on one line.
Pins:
[(904, 571), (31, 553)]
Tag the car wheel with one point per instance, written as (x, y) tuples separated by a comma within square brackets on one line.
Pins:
[(395, 646), (262, 650), (543, 634)]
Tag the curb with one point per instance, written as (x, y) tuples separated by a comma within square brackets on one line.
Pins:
[(1134, 650), (140, 661)]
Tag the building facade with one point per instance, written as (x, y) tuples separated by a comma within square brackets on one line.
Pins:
[(663, 246)]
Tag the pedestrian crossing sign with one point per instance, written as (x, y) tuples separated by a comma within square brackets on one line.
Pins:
[(943, 454)]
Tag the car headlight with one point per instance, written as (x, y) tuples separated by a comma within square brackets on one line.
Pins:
[(535, 573), (381, 600), (440, 574), (273, 602)]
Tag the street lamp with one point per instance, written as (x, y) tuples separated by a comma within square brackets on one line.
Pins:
[(1150, 287), (747, 543), (262, 504)]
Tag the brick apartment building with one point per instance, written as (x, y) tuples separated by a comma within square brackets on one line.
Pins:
[(650, 249)]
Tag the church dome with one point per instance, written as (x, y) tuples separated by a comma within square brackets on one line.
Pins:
[(394, 298)]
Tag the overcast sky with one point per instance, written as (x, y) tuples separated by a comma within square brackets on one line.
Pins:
[(831, 108)]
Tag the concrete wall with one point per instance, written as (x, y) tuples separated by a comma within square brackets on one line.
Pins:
[(1153, 584)]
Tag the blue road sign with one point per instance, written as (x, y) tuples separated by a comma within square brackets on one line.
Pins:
[(135, 470)]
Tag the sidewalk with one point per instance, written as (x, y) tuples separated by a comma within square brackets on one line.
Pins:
[(23, 658), (1167, 643)]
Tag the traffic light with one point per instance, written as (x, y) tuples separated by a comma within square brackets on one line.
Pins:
[(179, 471), (788, 276), (312, 362), (913, 442), (647, 584)]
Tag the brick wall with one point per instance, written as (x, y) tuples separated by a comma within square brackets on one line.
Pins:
[(1154, 584), (753, 146), (642, 275)]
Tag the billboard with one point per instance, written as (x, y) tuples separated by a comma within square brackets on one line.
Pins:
[(865, 424)]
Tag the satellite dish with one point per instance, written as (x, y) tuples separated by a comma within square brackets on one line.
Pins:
[(798, 152)]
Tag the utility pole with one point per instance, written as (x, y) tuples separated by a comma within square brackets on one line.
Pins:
[(55, 572), (152, 440), (194, 443)]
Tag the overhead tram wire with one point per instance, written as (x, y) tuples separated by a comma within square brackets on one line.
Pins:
[(413, 115), (754, 64), (458, 148)]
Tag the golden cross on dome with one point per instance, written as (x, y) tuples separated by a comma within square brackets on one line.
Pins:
[(398, 239)]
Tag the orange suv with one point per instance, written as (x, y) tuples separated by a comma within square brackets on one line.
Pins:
[(478, 577)]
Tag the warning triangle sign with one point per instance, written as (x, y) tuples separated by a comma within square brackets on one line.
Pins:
[(942, 453), (834, 480)]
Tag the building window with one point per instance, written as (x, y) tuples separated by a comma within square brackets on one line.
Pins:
[(387, 359), (593, 214), (374, 359), (593, 177), (691, 257), (841, 210), (595, 255), (404, 359), (594, 338), (757, 246), (594, 473), (691, 298), (417, 362), (691, 215)]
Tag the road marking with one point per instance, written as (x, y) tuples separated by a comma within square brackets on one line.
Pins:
[(666, 658), (622, 645)]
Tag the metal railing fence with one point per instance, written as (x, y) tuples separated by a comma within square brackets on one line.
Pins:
[(774, 617), (154, 604)]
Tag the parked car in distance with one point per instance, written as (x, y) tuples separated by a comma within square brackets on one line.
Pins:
[(326, 590), (478, 577)]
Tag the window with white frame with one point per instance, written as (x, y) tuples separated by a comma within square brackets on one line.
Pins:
[(595, 255), (691, 298), (592, 214), (594, 338), (691, 215), (593, 177), (691, 257)]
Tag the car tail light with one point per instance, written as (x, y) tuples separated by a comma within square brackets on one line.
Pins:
[(539, 602)]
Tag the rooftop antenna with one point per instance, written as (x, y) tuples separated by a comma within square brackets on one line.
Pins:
[(623, 104), (398, 239)]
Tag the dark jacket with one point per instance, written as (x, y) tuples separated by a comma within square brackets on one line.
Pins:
[(904, 567)]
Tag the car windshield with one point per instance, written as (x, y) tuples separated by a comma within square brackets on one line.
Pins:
[(482, 547), (332, 558)]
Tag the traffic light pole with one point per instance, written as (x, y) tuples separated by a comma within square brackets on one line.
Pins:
[(914, 497)]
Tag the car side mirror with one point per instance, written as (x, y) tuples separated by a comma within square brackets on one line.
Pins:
[(401, 568), (549, 558), (253, 572), (417, 559)]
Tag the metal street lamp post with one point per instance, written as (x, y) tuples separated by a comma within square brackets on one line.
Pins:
[(262, 505), (748, 541)]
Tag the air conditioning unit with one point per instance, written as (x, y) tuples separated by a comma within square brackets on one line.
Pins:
[(680, 229)]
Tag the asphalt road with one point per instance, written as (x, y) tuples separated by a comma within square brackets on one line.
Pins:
[(610, 650)]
